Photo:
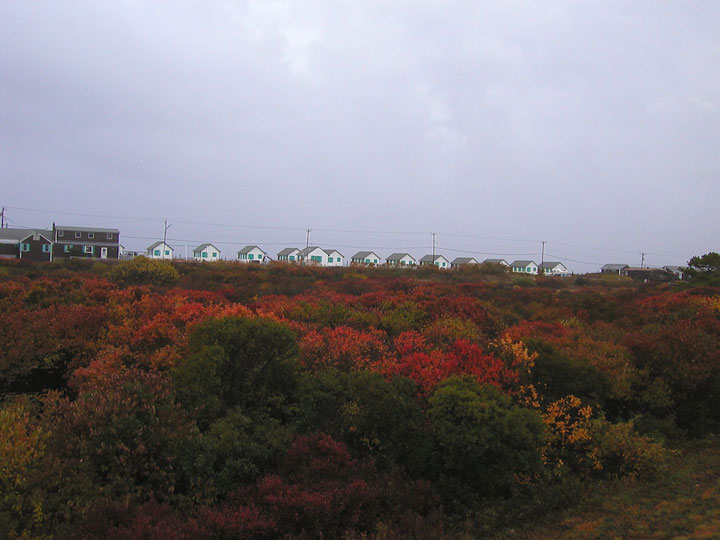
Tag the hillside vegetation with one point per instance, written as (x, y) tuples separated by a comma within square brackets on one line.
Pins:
[(148, 400)]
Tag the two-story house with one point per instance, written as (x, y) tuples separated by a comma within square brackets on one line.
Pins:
[(89, 242)]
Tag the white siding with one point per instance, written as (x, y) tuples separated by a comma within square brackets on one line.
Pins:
[(163, 252)]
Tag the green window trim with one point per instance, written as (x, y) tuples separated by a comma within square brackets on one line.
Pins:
[(156, 253), (251, 256), (330, 259), (167, 252), (204, 254), (46, 248), (24, 247)]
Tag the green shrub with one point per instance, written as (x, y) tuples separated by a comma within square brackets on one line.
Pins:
[(142, 270)]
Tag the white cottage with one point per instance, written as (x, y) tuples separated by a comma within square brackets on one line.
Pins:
[(313, 255), (401, 260), (206, 253), (463, 261), (289, 255), (160, 250), (524, 267), (251, 254), (501, 262), (437, 260), (334, 257), (366, 258), (552, 268)]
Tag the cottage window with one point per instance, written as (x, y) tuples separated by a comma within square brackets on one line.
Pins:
[(91, 235), (156, 253), (214, 254), (292, 257), (78, 234), (251, 256), (375, 261), (61, 234), (330, 259), (88, 249), (108, 236), (25, 247), (204, 255), (167, 252), (46, 248), (67, 248)]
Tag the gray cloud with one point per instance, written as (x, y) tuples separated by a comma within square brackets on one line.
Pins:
[(582, 123)]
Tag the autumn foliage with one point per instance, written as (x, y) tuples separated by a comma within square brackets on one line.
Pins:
[(188, 401)]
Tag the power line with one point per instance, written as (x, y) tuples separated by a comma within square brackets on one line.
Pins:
[(343, 231)]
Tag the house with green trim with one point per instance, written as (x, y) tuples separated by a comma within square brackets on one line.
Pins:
[(251, 254), (159, 250), (365, 258), (206, 253), (524, 267)]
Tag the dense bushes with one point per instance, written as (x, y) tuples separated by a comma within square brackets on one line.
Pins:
[(341, 403)]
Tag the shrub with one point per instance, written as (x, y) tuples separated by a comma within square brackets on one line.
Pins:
[(142, 270)]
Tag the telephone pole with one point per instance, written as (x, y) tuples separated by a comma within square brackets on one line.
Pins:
[(307, 238), (433, 247), (542, 257), (642, 260), (2, 218), (165, 230)]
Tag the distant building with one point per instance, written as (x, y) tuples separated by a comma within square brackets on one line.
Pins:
[(313, 255), (401, 259), (28, 244), (88, 242), (288, 255), (159, 250), (438, 260), (614, 268), (649, 274), (551, 268), (501, 262), (463, 261), (334, 257), (251, 254), (206, 253), (679, 271), (524, 267), (366, 258)]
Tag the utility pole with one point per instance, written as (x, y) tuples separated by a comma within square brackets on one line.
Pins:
[(433, 246), (165, 236), (542, 258), (307, 245), (642, 260), (2, 218)]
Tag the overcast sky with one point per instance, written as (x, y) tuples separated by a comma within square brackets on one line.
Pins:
[(594, 126)]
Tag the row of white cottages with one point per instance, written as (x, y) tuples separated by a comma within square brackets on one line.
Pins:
[(331, 257)]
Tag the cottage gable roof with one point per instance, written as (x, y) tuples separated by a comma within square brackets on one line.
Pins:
[(523, 263), (203, 247), (157, 244), (398, 256), (364, 255), (306, 251), (12, 236), (248, 249), (549, 265), (465, 260), (431, 259), (614, 266), (287, 251)]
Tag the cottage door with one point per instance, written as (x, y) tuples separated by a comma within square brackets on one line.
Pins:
[(103, 253)]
